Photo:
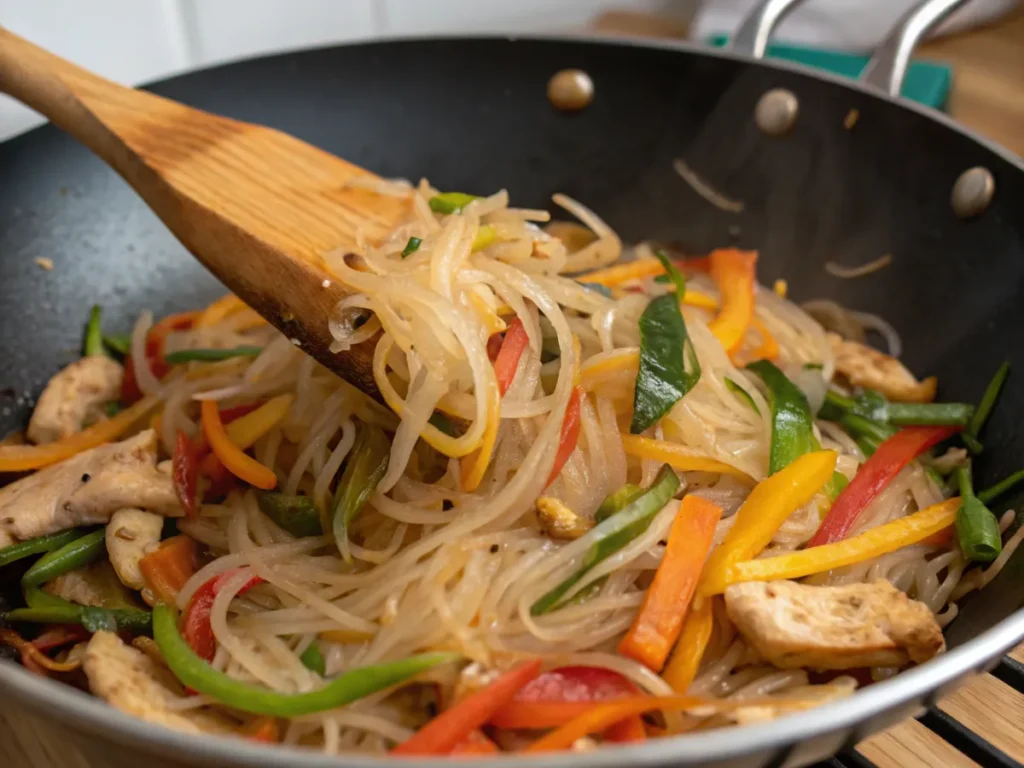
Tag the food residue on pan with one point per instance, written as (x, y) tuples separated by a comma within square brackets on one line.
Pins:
[(44, 263)]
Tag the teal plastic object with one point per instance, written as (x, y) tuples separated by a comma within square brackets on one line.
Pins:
[(927, 82)]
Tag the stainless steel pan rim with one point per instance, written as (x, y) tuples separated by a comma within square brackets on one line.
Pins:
[(843, 722), (915, 687)]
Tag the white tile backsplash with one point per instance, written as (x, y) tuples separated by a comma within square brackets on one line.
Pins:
[(133, 41)]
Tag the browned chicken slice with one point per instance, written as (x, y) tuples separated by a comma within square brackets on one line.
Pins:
[(127, 679), (866, 367), (857, 625), (74, 398), (86, 490), (558, 521)]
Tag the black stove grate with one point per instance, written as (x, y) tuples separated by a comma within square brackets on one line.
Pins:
[(953, 732)]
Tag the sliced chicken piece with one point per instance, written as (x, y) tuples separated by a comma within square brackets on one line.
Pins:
[(95, 585), (866, 367), (857, 625), (74, 398), (558, 521), (86, 490), (130, 681), (131, 535)]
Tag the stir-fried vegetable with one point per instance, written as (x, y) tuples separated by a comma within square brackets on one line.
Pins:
[(985, 406), (733, 272), (685, 660), (876, 407), (411, 247), (119, 343), (677, 456), (185, 473), (169, 566), (154, 352), (556, 697), (485, 235), (440, 735), (604, 290), (765, 509), (615, 532), (658, 623), (874, 475), (987, 496), (75, 554), (196, 627), (21, 458), (39, 545), (296, 514), (569, 434), (32, 656), (364, 468), (507, 361), (210, 355), (865, 546), (230, 455), (198, 675), (741, 393), (92, 345), (617, 500), (313, 660), (976, 527), (48, 609), (665, 354), (450, 202)]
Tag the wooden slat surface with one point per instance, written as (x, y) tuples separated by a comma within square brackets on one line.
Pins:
[(911, 745)]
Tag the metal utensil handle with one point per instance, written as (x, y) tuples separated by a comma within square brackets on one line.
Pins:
[(888, 66)]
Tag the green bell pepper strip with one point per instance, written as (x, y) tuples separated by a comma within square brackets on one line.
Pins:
[(984, 409), (364, 468), (412, 246), (1005, 485), (977, 529), (440, 420), (80, 552), (92, 345), (296, 514), (39, 545), (44, 608), (673, 273), (665, 354), (615, 502), (450, 202), (210, 355), (742, 394), (355, 684), (313, 660), (792, 424), (615, 532), (120, 343)]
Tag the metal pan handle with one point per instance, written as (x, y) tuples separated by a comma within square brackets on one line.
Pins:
[(887, 67)]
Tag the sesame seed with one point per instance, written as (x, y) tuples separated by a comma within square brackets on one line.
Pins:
[(326, 283)]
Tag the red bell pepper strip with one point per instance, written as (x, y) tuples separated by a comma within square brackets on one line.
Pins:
[(570, 433), (441, 735), (196, 623), (185, 473), (874, 475), (507, 361), (563, 694)]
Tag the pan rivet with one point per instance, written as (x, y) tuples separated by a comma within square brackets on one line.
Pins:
[(570, 90), (776, 111), (973, 192)]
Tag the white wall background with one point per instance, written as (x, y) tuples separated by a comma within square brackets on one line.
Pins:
[(133, 41)]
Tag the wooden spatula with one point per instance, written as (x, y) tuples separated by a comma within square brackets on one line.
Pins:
[(257, 207)]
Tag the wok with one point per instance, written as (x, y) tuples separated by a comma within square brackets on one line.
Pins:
[(472, 114)]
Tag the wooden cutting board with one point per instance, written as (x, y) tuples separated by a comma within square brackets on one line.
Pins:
[(987, 706)]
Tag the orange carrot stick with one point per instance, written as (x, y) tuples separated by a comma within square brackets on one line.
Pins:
[(733, 272)]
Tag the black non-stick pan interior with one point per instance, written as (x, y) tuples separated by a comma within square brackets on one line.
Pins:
[(474, 116)]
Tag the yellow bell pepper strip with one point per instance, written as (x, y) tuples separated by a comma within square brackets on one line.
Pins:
[(733, 272), (677, 456), (870, 544), (21, 458), (620, 273), (769, 348), (218, 310), (766, 508), (240, 464), (685, 660), (658, 623), (247, 429)]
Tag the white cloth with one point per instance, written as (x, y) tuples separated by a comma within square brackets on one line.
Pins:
[(850, 25)]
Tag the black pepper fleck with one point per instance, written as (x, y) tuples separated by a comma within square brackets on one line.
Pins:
[(494, 549), (86, 477)]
